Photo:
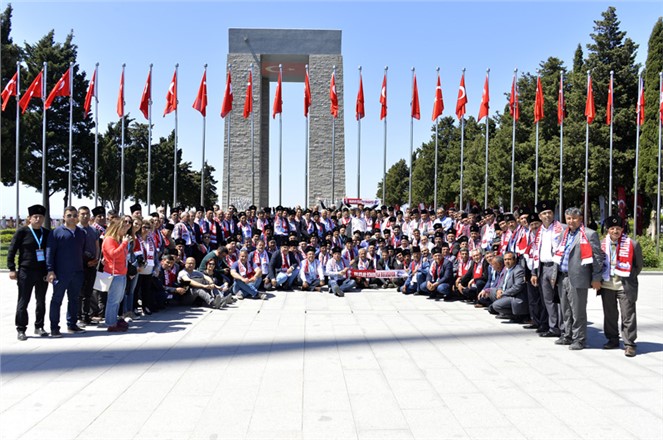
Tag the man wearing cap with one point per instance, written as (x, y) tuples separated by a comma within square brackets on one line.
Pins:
[(537, 309), (211, 226), (91, 258), (488, 231), (621, 265), (311, 272), (580, 263), (439, 277), (30, 243), (283, 268), (544, 270), (136, 211)]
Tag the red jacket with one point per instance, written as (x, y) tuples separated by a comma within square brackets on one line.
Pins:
[(115, 256)]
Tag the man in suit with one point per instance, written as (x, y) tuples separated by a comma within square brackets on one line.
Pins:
[(510, 291), (580, 263), (621, 266)]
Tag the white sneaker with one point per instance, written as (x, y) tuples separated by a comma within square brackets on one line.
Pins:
[(239, 296)]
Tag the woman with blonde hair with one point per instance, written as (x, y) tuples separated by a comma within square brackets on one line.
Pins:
[(114, 251)]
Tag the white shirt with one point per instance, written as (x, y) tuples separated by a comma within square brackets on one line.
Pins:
[(546, 244)]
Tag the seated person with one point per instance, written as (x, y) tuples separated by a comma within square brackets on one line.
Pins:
[(311, 272), (415, 276), (439, 277), (247, 277), (511, 293), (337, 271), (473, 282), (283, 268), (464, 264), (199, 287), (165, 285), (260, 258), (488, 294), (362, 263), (399, 262)]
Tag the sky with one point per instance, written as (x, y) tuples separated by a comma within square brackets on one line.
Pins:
[(425, 35)]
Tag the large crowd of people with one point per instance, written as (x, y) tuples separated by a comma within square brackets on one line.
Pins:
[(524, 266)]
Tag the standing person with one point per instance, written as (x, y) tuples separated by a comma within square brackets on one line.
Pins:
[(115, 249), (98, 301), (64, 262), (30, 243), (580, 265), (144, 247), (621, 266), (90, 260)]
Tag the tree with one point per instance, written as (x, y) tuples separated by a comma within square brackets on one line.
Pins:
[(397, 180), (10, 55)]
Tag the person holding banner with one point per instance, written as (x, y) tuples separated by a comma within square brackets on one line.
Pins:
[(337, 271), (621, 265)]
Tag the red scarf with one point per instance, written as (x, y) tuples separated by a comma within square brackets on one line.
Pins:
[(478, 269), (624, 254), (463, 267), (285, 264), (435, 271), (245, 271), (586, 254)]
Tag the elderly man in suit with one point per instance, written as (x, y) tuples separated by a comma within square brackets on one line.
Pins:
[(510, 291), (621, 266), (580, 263)]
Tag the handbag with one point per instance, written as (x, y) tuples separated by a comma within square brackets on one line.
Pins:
[(102, 280)]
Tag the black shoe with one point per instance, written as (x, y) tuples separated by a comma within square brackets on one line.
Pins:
[(509, 317), (41, 332), (56, 333), (75, 329), (611, 345), (542, 329), (549, 334), (21, 336), (531, 327), (563, 341)]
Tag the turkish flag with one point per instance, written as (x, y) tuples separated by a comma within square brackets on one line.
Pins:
[(307, 94), (485, 99), (61, 88), (514, 107), (171, 96), (660, 108), (590, 110), (248, 99), (227, 105), (120, 96), (383, 98), (333, 97), (538, 101), (34, 91), (608, 111), (146, 96), (561, 105), (9, 90), (462, 98), (438, 104), (200, 103), (359, 108), (641, 102), (91, 91), (416, 111), (278, 101)]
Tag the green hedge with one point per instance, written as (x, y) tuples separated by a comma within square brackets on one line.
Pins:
[(649, 252), (6, 236)]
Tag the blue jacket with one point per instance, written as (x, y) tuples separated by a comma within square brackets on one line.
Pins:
[(65, 250)]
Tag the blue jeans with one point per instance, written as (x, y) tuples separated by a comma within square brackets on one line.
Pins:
[(346, 285), (72, 284), (129, 294), (312, 285), (247, 289), (115, 295), (442, 289), (283, 278)]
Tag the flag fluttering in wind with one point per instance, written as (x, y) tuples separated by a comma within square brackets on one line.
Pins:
[(538, 101), (61, 88), (227, 105), (91, 92), (307, 94), (277, 108), (146, 97), (9, 90), (485, 101), (641, 101), (438, 104), (333, 97), (171, 96), (416, 111), (608, 111), (120, 97), (248, 99), (514, 106), (590, 110), (34, 91), (200, 103), (561, 104), (359, 108), (462, 98), (383, 98)]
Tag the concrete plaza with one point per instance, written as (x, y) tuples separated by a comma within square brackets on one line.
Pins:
[(375, 364)]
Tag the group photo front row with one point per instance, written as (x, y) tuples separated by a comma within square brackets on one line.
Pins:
[(525, 267)]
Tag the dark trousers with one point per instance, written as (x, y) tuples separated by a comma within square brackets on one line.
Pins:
[(537, 310), (629, 327), (71, 283), (85, 299), (98, 303), (28, 280), (145, 292)]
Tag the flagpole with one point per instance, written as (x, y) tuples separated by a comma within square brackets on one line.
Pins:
[(437, 121), (658, 190), (485, 193), (18, 125), (96, 136), (384, 164), (513, 135), (280, 142), (44, 193), (585, 218), (612, 105), (202, 171), (175, 155), (149, 144), (409, 198), (229, 149), (637, 156), (561, 147), (359, 148), (71, 116), (253, 167), (122, 151), (306, 152), (536, 160), (333, 145)]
